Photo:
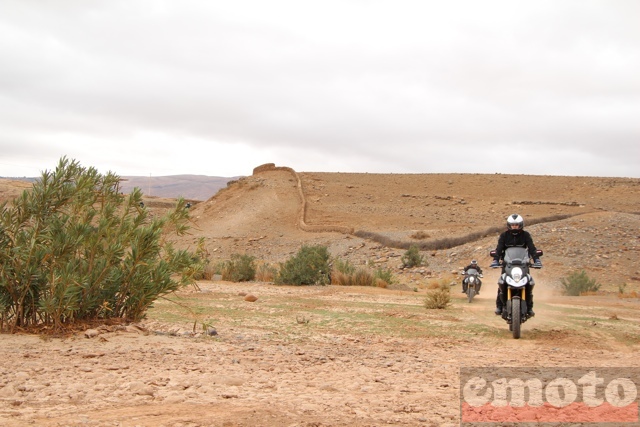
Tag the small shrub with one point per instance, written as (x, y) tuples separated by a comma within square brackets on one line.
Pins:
[(383, 275), (266, 272), (310, 266), (622, 288), (632, 294), (419, 235), (578, 283), (240, 268), (381, 283), (412, 257), (208, 271), (363, 277), (437, 283), (202, 257), (438, 299)]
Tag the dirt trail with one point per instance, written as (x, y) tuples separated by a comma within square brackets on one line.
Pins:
[(366, 357)]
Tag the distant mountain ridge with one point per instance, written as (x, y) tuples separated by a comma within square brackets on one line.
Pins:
[(192, 187)]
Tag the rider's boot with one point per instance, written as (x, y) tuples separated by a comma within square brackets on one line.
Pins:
[(499, 305), (529, 296)]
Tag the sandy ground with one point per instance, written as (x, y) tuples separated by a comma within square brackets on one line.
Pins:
[(310, 356)]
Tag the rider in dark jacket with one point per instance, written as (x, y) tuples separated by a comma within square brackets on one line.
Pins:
[(515, 236), (474, 265)]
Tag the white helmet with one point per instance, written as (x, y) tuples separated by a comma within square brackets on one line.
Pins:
[(515, 219)]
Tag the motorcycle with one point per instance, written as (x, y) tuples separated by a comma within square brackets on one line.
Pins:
[(472, 276), (516, 265)]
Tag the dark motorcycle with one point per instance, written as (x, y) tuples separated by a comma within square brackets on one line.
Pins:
[(473, 282), (516, 265)]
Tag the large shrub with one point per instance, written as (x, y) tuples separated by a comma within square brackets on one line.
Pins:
[(578, 283), (74, 248), (310, 266)]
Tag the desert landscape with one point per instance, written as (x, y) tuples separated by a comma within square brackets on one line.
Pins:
[(335, 355)]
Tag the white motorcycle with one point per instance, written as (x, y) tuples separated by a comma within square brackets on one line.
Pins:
[(473, 282), (516, 276)]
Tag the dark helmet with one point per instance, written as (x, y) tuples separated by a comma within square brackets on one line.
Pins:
[(517, 220)]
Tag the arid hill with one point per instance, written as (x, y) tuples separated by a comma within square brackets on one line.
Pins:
[(580, 222), (586, 223)]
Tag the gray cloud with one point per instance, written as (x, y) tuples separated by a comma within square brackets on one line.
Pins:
[(370, 86)]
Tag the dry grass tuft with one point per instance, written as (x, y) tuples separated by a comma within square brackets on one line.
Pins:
[(266, 272), (420, 235), (360, 277), (438, 299)]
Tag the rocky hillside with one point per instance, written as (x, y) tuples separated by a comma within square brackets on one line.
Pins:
[(266, 215), (580, 222)]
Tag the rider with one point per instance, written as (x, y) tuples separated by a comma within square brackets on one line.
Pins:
[(474, 264), (514, 236)]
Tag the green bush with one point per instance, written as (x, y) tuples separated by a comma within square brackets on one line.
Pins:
[(622, 288), (412, 257), (74, 248), (310, 266), (439, 298), (384, 274), (240, 268), (578, 283)]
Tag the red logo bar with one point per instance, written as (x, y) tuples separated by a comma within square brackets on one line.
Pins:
[(576, 412)]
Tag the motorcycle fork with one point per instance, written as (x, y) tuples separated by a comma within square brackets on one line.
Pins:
[(523, 295)]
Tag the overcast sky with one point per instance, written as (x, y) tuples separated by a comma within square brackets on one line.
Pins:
[(218, 87)]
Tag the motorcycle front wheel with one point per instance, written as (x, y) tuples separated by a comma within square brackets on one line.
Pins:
[(471, 292), (515, 317)]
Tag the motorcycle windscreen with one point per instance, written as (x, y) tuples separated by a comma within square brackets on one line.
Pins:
[(516, 256)]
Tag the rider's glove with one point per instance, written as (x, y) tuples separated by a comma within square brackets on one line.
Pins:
[(537, 263), (495, 264)]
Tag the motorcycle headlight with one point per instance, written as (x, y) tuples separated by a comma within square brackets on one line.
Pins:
[(472, 279), (516, 273)]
